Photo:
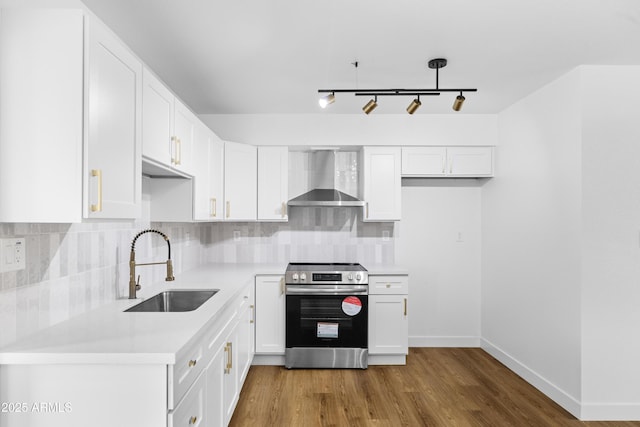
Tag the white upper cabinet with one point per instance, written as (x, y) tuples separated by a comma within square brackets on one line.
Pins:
[(447, 161), (273, 183), (240, 182), (381, 183), (70, 115), (41, 57), (424, 161), (169, 127), (208, 179), (112, 145), (157, 119)]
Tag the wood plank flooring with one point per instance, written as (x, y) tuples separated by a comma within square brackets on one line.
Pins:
[(438, 387)]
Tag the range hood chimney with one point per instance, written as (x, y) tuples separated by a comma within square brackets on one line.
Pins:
[(324, 193)]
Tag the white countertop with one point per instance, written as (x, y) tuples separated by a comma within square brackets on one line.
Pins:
[(386, 269), (109, 335)]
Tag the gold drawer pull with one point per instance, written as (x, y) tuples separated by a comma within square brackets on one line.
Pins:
[(388, 285), (228, 209), (192, 363), (98, 206), (193, 420), (213, 207)]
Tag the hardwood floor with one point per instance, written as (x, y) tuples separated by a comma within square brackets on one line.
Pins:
[(437, 387)]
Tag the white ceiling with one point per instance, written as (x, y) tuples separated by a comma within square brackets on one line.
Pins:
[(271, 56)]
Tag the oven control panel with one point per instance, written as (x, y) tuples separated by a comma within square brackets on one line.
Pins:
[(328, 278)]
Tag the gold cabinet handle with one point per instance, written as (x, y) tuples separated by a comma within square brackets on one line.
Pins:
[(367, 205), (193, 420), (283, 209), (230, 356), (405, 306), (174, 150), (228, 209), (226, 350), (253, 309), (178, 151), (213, 207), (97, 173), (282, 287), (192, 363)]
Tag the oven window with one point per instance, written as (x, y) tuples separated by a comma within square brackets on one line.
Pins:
[(321, 321)]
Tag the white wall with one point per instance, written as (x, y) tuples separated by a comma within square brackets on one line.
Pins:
[(438, 241), (355, 129), (531, 223), (611, 243)]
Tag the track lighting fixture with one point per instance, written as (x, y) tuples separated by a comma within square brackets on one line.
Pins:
[(326, 100), (457, 104), (436, 64), (415, 104), (371, 105)]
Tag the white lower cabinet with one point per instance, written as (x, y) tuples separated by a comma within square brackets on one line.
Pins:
[(270, 315), (232, 349), (191, 412), (388, 316)]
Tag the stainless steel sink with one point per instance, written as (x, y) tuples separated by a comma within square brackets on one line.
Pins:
[(175, 300)]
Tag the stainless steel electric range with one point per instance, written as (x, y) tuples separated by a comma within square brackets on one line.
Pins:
[(326, 315)]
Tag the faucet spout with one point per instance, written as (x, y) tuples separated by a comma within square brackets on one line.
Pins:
[(135, 285)]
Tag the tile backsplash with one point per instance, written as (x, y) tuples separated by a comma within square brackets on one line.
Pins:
[(72, 268)]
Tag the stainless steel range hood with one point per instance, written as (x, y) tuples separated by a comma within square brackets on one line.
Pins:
[(326, 198), (323, 182)]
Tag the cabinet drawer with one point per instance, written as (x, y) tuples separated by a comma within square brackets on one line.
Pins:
[(388, 284), (190, 412), (189, 363)]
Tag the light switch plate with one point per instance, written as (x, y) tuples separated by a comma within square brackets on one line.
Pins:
[(13, 254)]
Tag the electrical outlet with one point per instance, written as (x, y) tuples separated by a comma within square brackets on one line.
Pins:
[(385, 235), (12, 254)]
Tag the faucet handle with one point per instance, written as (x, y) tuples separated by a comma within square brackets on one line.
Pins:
[(169, 277), (138, 283)]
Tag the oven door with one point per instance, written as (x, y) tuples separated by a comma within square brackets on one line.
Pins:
[(336, 321)]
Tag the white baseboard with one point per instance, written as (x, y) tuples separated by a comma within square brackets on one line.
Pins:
[(551, 390), (268, 359), (387, 359), (433, 341), (610, 412)]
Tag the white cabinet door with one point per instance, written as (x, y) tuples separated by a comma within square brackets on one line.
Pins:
[(216, 370), (246, 335), (240, 182), (420, 161), (388, 325), (382, 183), (470, 161), (183, 137), (113, 94), (273, 183), (270, 315), (231, 377), (157, 118), (202, 201), (41, 87), (447, 162), (216, 179)]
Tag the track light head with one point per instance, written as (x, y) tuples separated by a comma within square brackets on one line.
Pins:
[(457, 104), (371, 105), (415, 104), (326, 100)]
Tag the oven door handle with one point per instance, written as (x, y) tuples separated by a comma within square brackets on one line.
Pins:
[(315, 290)]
